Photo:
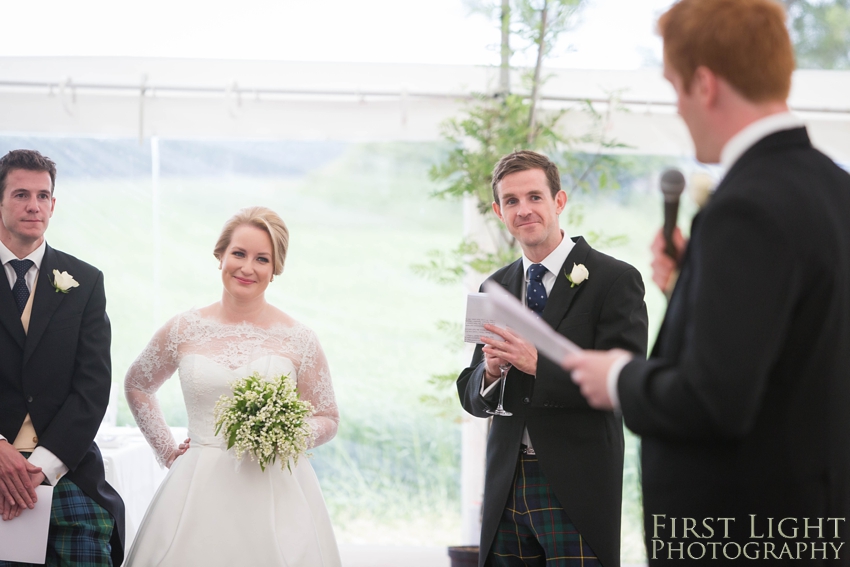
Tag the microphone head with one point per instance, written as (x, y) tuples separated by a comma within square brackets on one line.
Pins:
[(672, 185)]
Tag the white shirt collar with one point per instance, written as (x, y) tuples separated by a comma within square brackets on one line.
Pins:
[(36, 255), (556, 257), (747, 138)]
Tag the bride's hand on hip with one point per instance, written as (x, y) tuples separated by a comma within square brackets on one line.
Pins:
[(181, 448)]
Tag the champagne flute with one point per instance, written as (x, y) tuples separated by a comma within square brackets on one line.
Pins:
[(500, 410)]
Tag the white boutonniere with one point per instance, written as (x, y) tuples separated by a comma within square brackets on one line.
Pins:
[(63, 282), (701, 188), (578, 275)]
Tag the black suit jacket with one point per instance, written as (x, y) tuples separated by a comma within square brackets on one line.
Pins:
[(579, 449), (743, 404), (59, 372)]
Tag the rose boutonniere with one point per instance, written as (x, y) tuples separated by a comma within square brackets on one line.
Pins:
[(63, 282), (578, 275)]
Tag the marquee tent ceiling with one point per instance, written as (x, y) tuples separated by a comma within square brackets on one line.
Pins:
[(184, 98)]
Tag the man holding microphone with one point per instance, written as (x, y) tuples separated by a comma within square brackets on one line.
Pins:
[(742, 405)]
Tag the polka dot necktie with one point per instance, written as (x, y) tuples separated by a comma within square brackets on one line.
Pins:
[(20, 291), (535, 293)]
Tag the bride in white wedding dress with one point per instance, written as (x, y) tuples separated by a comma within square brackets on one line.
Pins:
[(209, 511)]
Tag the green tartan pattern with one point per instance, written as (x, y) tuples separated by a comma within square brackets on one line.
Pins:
[(534, 530), (80, 530)]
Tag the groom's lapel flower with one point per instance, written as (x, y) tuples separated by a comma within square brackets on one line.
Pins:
[(63, 282), (578, 275)]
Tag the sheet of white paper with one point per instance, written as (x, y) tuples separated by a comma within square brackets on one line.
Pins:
[(525, 322), (24, 539), (477, 315)]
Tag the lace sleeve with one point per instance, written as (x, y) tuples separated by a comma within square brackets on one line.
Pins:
[(314, 385), (156, 363)]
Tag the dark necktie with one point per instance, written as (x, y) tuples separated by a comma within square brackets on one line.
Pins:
[(20, 290), (535, 293)]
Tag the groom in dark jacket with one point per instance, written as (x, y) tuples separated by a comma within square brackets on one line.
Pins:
[(54, 376), (553, 485)]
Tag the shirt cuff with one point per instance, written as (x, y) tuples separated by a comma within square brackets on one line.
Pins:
[(485, 391), (3, 438), (51, 466), (614, 378)]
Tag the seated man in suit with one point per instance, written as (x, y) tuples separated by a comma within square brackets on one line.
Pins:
[(55, 374), (553, 485), (742, 406)]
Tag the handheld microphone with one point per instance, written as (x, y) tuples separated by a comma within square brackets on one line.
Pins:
[(672, 185)]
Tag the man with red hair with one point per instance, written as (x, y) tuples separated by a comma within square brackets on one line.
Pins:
[(742, 405)]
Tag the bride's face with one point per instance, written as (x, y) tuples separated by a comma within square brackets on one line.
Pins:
[(247, 265)]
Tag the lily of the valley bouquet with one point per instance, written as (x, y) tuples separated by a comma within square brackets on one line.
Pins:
[(264, 418)]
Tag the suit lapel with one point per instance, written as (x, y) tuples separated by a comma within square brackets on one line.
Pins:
[(9, 316), (512, 280), (45, 302), (563, 292), (671, 332)]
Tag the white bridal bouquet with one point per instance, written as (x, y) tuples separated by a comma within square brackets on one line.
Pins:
[(264, 418)]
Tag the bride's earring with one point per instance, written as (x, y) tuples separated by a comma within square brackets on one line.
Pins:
[(272, 279)]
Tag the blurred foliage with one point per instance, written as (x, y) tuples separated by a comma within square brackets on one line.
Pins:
[(495, 126), (525, 18), (450, 267), (820, 30), (392, 477), (560, 18), (490, 128)]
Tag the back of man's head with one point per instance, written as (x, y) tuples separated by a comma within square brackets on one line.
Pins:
[(743, 41), (30, 160)]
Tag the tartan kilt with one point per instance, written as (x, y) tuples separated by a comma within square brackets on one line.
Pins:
[(80, 530), (534, 529)]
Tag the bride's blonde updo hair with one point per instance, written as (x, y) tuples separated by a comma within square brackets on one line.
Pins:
[(264, 219)]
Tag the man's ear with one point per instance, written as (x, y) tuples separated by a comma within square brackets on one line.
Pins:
[(560, 201), (705, 85), (498, 210)]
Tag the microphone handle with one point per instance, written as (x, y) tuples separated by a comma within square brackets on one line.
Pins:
[(671, 215)]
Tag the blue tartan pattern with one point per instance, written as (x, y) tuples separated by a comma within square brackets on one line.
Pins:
[(534, 530), (80, 530)]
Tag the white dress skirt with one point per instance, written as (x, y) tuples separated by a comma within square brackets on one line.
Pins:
[(212, 510)]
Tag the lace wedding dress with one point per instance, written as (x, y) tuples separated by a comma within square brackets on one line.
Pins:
[(211, 510)]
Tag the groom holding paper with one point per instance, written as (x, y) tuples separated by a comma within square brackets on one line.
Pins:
[(553, 484)]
